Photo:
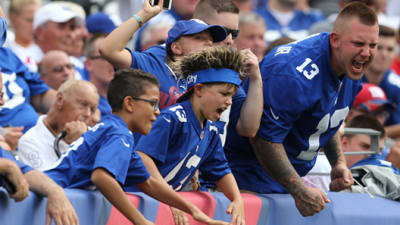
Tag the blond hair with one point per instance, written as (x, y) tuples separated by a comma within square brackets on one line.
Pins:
[(213, 57), (16, 5)]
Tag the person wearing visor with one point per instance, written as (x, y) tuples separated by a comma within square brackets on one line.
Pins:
[(185, 138), (184, 38)]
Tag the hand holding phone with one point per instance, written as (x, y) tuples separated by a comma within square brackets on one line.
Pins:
[(166, 4)]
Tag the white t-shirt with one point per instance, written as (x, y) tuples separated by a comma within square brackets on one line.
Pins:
[(30, 56), (35, 147), (322, 182)]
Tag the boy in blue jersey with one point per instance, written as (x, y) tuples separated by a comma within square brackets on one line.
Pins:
[(184, 137), (309, 87), (104, 156), (183, 39)]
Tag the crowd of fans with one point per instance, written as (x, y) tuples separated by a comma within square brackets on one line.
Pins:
[(243, 95)]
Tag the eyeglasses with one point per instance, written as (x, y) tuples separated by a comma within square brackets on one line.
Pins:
[(235, 33), (153, 103), (60, 68)]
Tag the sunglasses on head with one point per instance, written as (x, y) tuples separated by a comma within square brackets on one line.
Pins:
[(235, 33)]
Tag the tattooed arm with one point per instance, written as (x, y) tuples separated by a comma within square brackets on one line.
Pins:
[(341, 177), (273, 158)]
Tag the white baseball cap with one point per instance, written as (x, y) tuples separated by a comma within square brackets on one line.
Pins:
[(54, 12)]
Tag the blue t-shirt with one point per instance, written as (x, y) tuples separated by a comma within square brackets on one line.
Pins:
[(304, 105), (179, 146), (24, 168), (108, 145), (390, 84), (153, 61), (377, 161), (297, 27), (19, 85), (104, 106)]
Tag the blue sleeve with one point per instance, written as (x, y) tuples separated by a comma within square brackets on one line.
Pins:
[(15, 65), (3, 31), (156, 143), (137, 172), (24, 168), (215, 166), (140, 60), (114, 155), (284, 101), (237, 103)]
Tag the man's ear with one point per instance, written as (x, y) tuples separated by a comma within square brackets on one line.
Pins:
[(334, 39), (88, 65), (343, 142), (59, 102), (176, 48)]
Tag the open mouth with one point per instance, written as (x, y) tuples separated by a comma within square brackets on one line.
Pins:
[(358, 66), (220, 110)]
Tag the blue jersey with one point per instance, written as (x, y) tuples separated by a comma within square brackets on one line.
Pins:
[(297, 27), (171, 84), (108, 145), (390, 84), (19, 85), (153, 61), (179, 146), (24, 168), (377, 161), (3, 31), (304, 105), (104, 106)]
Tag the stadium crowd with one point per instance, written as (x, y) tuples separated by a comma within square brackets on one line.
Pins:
[(236, 96)]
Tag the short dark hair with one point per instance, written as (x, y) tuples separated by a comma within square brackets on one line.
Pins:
[(365, 121), (386, 31), (364, 13), (128, 82), (205, 8), (89, 46)]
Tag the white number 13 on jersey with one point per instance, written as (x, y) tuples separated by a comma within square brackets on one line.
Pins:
[(323, 125), (309, 74)]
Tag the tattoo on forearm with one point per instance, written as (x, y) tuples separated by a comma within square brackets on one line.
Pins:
[(273, 159), (332, 150)]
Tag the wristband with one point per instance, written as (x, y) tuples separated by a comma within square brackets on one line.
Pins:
[(138, 20)]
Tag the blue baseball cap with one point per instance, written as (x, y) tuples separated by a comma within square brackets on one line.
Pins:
[(99, 22), (194, 26), (211, 75)]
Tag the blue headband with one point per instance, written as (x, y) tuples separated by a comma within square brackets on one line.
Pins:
[(211, 75)]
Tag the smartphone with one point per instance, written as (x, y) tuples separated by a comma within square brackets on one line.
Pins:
[(166, 4)]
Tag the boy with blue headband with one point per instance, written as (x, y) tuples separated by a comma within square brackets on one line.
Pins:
[(104, 155), (185, 138)]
